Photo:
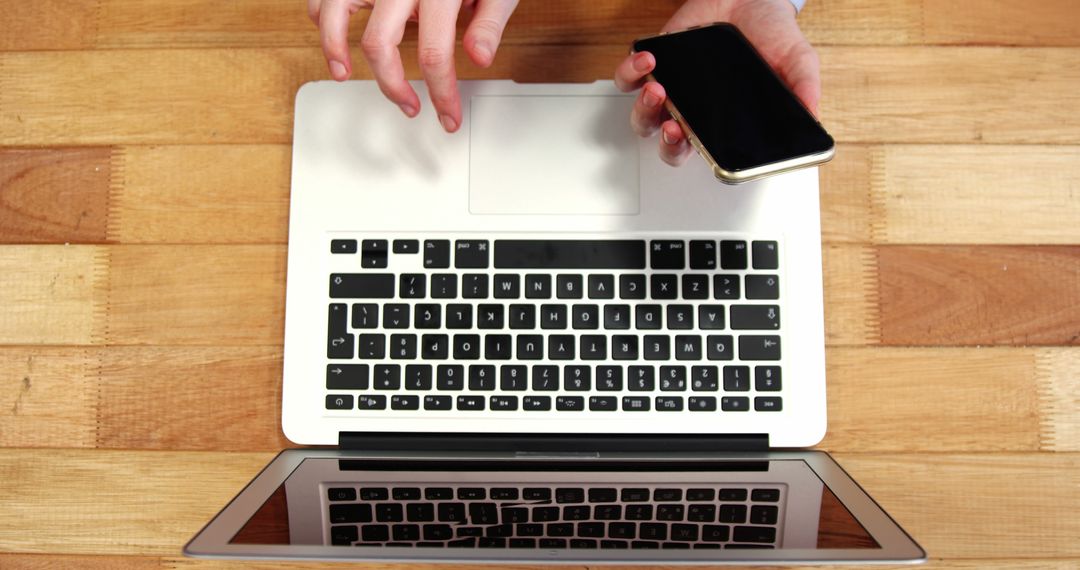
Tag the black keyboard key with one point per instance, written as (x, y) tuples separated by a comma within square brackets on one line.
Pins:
[(438, 493), (765, 495), (569, 495), (641, 378), (656, 347), (701, 404), (725, 287), (759, 534), (361, 286), (719, 347), (711, 317), (632, 286), (582, 543), (577, 378), (522, 317), (472, 493), (343, 535), (375, 533), (403, 346), (617, 317), (513, 378), (648, 317), (386, 377), (733, 254), (561, 347), (498, 347), (504, 494), (530, 347), (684, 532), (481, 377), (503, 403), (569, 403), (695, 495), (601, 286), (669, 512), (560, 529), (364, 316), (405, 532), (342, 246), (553, 316), (667, 254), (470, 403), (704, 378), (614, 544), (621, 530), (396, 316), (732, 513), (609, 378), (585, 316), (577, 513), (439, 531), (427, 316), (434, 346), (400, 402), (450, 377), (680, 317), (389, 512), (653, 531), (687, 347), (590, 529), (766, 255), (536, 494), (759, 347), (607, 512), (736, 378), (603, 403), (354, 513), (438, 402), (471, 254), (762, 287), (459, 316), (593, 347), (406, 246), (667, 495), (374, 494), (669, 403), (763, 514), (636, 495), (733, 494), (624, 347), (636, 404), (451, 512), (672, 378), (420, 512), (755, 317), (489, 316), (536, 403), (664, 286), (734, 404), (341, 494), (702, 254), (556, 543), (346, 376), (537, 286), (372, 346), (484, 513), (437, 253), (546, 514), (568, 287), (339, 402), (444, 286), (569, 254), (763, 404), (371, 402), (466, 347), (695, 287), (767, 378), (701, 513), (474, 286), (527, 543), (507, 286), (374, 253), (339, 343)]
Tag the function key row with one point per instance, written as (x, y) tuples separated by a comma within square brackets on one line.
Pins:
[(658, 286), (558, 403), (568, 254)]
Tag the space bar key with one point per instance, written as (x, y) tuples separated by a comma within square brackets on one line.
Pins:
[(361, 286), (569, 254)]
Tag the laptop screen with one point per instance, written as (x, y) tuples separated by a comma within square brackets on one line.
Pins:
[(708, 505)]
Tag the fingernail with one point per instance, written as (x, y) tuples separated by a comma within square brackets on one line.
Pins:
[(448, 123), (667, 138), (483, 50), (650, 99), (641, 63), (409, 110), (338, 71)]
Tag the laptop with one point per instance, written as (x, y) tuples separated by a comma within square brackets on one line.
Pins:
[(532, 341)]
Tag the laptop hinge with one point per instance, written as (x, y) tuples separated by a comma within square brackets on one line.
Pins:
[(552, 443)]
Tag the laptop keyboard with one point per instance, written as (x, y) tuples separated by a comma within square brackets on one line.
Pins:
[(432, 325), (502, 516)]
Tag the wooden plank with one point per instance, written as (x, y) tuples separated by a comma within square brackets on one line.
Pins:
[(1058, 373), (987, 194), (54, 195), (946, 500), (851, 295), (1001, 22), (202, 194), (196, 294), (52, 294), (872, 94), (847, 213), (842, 22), (935, 399), (49, 397), (106, 494), (175, 395), (48, 24), (978, 295)]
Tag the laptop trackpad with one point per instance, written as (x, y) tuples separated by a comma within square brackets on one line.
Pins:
[(553, 155)]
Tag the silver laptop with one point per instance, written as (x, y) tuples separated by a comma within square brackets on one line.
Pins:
[(533, 341)]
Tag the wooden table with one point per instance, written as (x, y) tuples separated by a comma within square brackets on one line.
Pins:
[(144, 180)]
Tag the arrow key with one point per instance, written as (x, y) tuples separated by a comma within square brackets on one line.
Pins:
[(346, 376)]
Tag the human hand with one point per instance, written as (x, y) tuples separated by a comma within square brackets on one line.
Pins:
[(769, 24), (438, 29)]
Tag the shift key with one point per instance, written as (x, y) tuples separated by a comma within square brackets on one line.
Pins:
[(361, 286)]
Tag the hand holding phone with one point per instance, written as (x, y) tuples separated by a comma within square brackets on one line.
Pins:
[(772, 27)]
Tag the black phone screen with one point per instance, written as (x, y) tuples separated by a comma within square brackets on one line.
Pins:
[(742, 113)]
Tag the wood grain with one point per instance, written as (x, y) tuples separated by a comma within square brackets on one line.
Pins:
[(54, 195), (199, 294), (1058, 372), (849, 275), (52, 294), (48, 397), (873, 94), (978, 295), (48, 24), (1001, 22)]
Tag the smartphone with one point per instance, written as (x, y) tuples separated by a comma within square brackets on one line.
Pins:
[(738, 114)]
